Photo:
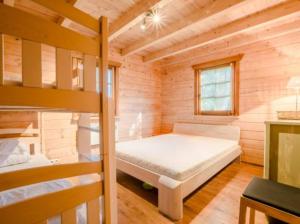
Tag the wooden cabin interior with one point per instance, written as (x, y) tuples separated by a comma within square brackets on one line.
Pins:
[(149, 111)]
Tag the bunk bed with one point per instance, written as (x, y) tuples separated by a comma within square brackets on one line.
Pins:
[(63, 201)]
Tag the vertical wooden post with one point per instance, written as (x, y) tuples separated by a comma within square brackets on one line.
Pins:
[(63, 69), (31, 64), (1, 59), (89, 73), (107, 137)]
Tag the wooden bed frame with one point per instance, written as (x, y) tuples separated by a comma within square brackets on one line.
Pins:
[(32, 95), (172, 192)]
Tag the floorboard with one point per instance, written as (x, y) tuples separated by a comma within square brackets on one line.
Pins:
[(217, 202)]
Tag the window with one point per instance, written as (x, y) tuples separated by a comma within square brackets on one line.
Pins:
[(113, 83), (77, 72), (217, 87), (114, 80)]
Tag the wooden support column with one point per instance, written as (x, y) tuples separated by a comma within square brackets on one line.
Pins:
[(1, 59), (107, 124)]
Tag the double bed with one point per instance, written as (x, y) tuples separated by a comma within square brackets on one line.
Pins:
[(179, 162)]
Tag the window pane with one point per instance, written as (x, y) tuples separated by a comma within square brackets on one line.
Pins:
[(216, 89), (223, 89), (216, 75), (109, 80)]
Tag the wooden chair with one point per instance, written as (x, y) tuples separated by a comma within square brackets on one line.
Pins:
[(277, 200)]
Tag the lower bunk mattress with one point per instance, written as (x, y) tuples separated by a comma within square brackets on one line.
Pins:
[(22, 193)]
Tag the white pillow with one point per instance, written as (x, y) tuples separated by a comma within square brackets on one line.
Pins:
[(12, 153)]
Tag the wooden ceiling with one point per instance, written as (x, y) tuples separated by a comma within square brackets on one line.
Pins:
[(187, 24)]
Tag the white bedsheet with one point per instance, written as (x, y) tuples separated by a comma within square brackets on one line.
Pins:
[(35, 161), (19, 194), (177, 156)]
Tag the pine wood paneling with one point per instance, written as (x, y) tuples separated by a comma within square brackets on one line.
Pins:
[(264, 72), (59, 136), (18, 120), (139, 97)]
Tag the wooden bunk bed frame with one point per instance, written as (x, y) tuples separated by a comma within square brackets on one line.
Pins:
[(31, 94)]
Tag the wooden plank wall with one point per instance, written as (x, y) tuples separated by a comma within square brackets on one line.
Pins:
[(18, 120), (59, 136), (264, 72), (139, 97)]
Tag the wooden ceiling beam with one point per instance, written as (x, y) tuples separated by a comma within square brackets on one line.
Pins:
[(132, 16), (70, 12), (9, 2), (61, 20), (235, 42), (210, 9), (247, 23)]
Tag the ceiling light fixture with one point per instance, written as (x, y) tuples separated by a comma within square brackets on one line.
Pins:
[(154, 19), (143, 25)]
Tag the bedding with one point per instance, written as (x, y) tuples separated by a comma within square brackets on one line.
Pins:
[(22, 193), (12, 153), (34, 161), (178, 156)]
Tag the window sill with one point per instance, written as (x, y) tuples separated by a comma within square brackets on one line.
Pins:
[(217, 115)]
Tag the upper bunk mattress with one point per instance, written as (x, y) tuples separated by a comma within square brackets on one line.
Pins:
[(177, 156)]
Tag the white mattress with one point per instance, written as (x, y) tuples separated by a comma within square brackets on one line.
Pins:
[(177, 156), (19, 194), (22, 193)]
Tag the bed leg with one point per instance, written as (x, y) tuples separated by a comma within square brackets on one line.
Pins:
[(170, 198), (238, 159)]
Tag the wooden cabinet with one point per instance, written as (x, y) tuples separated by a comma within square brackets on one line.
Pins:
[(282, 152)]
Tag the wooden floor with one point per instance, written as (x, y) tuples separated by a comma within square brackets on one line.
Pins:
[(217, 202)]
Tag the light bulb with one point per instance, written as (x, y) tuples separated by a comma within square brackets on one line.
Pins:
[(143, 26), (156, 18)]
